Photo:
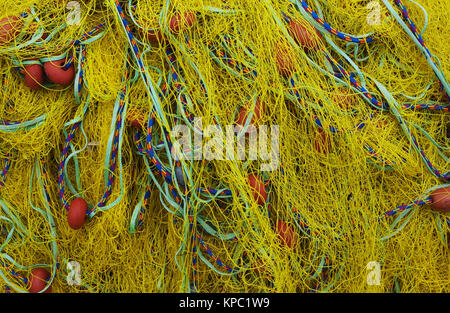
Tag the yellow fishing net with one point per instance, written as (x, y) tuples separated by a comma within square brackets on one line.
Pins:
[(357, 125)]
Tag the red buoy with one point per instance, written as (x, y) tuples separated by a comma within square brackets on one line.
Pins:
[(286, 234), (244, 112), (306, 37), (38, 280), (137, 123), (323, 142), (34, 76), (136, 119), (441, 199), (259, 190), (32, 29), (77, 213), (57, 74), (344, 100), (155, 36), (180, 22), (9, 28), (285, 62)]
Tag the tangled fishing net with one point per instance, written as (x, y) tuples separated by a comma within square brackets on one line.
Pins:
[(351, 178)]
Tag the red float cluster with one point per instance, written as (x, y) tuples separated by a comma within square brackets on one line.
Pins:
[(34, 73), (52, 71)]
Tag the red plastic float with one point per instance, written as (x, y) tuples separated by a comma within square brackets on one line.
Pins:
[(180, 22), (34, 76), (77, 213), (286, 234), (344, 100), (155, 36), (136, 119), (323, 142), (244, 112), (441, 199), (33, 29), (57, 74), (259, 190), (38, 280), (308, 38), (285, 61), (9, 28)]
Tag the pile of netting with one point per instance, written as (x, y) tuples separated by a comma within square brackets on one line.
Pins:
[(224, 146)]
